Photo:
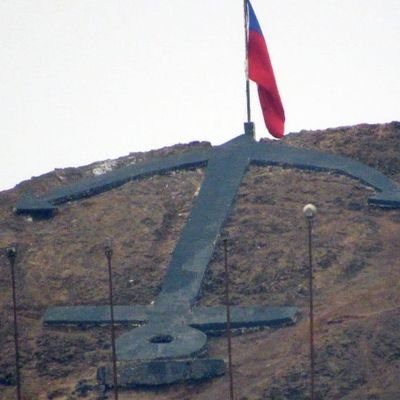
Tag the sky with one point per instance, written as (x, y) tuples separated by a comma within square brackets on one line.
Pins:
[(89, 80)]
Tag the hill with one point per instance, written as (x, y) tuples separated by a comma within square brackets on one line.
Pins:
[(356, 257)]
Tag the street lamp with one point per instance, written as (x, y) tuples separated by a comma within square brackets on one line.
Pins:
[(228, 317), (309, 212), (11, 253), (108, 251)]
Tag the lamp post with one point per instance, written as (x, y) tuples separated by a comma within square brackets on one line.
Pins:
[(11, 253), (228, 317), (108, 251), (309, 212)]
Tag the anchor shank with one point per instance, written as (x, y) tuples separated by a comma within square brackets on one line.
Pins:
[(195, 247)]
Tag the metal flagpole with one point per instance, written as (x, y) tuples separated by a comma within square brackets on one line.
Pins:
[(248, 126), (246, 40)]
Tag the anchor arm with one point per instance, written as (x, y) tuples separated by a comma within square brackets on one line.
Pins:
[(96, 315), (281, 155), (211, 319), (98, 184)]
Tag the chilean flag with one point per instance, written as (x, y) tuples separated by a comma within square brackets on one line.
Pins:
[(260, 71)]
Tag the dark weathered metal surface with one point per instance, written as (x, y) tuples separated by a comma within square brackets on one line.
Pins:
[(174, 325)]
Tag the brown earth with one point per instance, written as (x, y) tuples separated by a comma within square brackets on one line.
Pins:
[(356, 258)]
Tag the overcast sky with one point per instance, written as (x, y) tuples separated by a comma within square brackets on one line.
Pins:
[(88, 80)]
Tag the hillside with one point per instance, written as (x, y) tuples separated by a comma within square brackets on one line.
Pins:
[(356, 257)]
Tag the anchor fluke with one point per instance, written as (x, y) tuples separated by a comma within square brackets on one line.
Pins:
[(33, 205), (385, 200)]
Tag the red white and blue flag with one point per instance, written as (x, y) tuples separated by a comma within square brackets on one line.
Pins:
[(260, 71)]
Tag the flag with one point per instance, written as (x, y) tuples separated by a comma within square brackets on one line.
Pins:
[(260, 71)]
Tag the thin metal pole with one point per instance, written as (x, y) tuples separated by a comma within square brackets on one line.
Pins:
[(11, 253), (246, 43), (309, 220), (108, 251), (228, 319), (248, 100)]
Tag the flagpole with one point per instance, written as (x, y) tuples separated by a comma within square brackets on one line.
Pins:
[(248, 126), (246, 39)]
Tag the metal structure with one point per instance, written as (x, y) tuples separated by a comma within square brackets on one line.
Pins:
[(173, 330)]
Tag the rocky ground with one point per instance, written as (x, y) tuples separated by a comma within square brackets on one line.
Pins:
[(356, 258)]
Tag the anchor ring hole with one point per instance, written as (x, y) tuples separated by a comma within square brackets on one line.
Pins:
[(161, 339)]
